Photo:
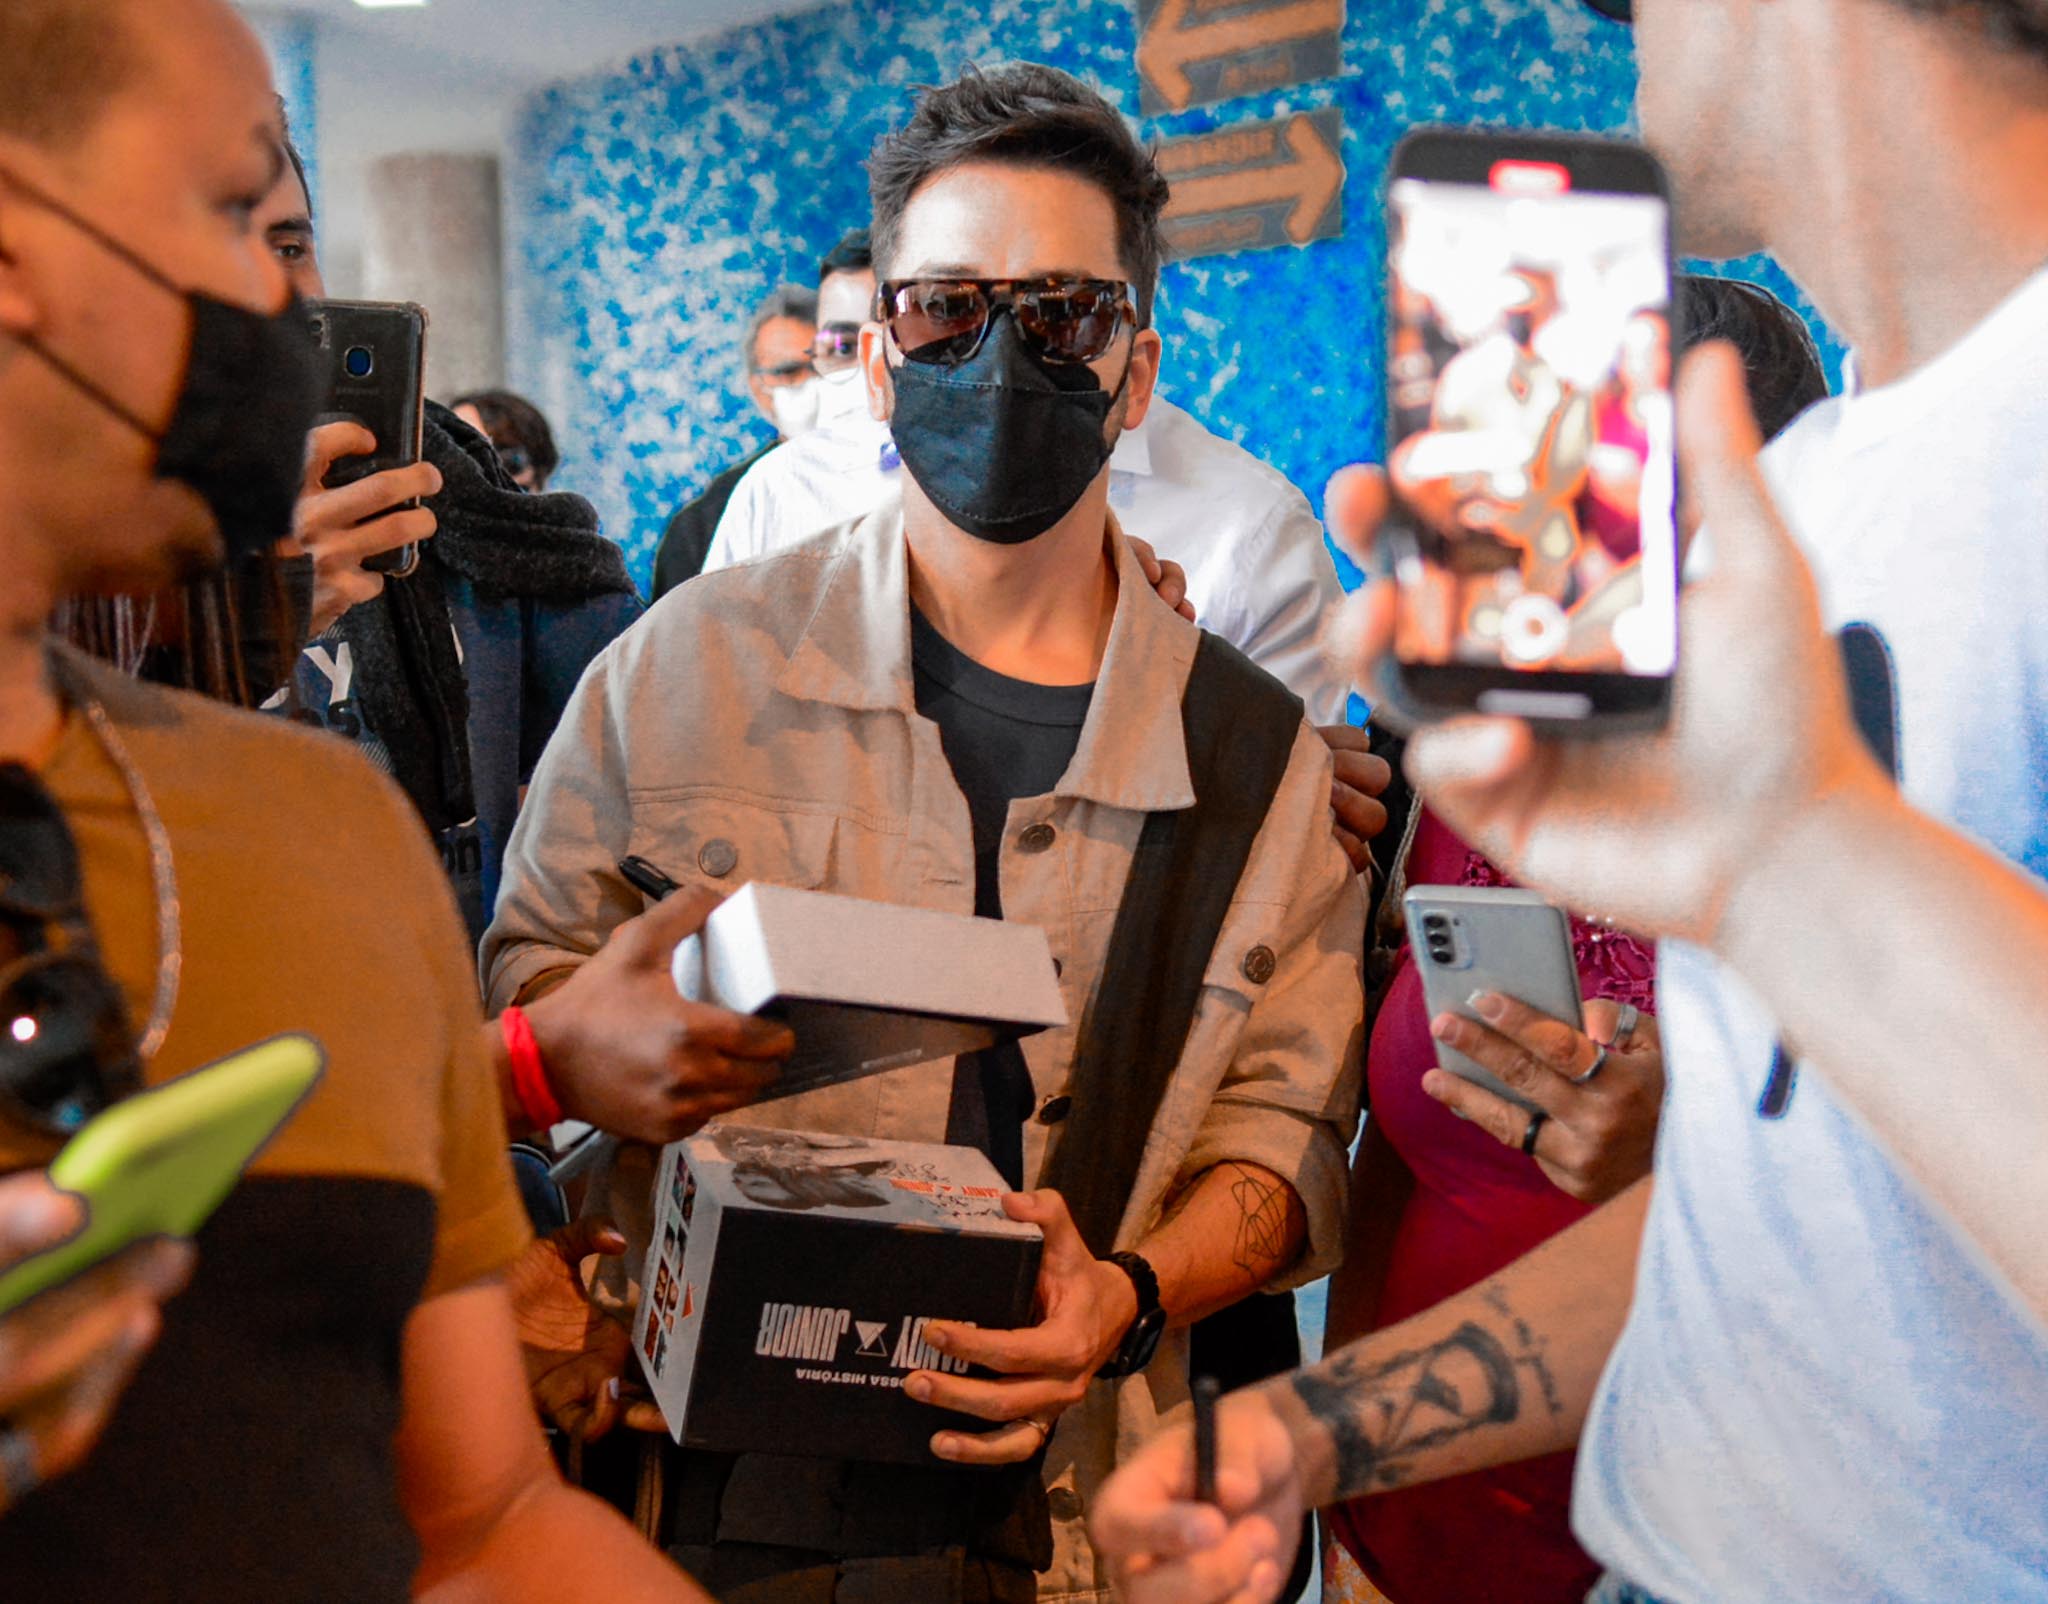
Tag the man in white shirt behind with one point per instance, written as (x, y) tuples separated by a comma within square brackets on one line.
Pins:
[(1259, 573)]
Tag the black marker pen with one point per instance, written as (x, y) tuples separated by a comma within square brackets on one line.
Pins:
[(644, 878), (1205, 1390)]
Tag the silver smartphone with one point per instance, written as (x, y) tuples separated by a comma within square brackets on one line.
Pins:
[(1491, 938)]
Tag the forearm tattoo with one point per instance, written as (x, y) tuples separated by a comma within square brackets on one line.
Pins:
[(1264, 1243), (1385, 1414)]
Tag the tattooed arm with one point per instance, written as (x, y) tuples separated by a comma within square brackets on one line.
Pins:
[(1236, 1229), (1502, 1372)]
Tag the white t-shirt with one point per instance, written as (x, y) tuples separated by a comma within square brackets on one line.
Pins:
[(1821, 1394), (1259, 574)]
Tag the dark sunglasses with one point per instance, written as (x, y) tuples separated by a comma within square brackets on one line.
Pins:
[(943, 321), (788, 372), (66, 1049), (1615, 10)]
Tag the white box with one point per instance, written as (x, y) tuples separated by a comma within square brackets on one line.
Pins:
[(869, 986)]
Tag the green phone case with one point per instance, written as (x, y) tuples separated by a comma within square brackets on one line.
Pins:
[(162, 1161)]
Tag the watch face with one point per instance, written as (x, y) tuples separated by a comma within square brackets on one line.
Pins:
[(1142, 1341)]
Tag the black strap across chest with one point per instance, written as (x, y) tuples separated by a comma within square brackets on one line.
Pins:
[(1240, 725)]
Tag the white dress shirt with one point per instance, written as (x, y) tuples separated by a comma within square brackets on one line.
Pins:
[(1259, 574)]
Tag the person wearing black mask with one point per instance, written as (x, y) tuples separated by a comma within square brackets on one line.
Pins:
[(335, 1407), (973, 701), (451, 677)]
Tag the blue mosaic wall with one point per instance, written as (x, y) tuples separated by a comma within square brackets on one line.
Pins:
[(651, 208), (293, 44)]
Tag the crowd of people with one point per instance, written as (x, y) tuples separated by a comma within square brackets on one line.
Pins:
[(1742, 1295)]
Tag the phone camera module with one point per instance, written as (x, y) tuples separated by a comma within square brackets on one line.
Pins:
[(358, 363)]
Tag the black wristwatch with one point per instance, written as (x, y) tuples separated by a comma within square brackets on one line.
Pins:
[(1141, 1342)]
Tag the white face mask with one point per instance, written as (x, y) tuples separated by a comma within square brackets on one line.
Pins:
[(796, 407), (841, 394)]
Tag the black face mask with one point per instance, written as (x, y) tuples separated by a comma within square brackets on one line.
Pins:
[(251, 393), (1003, 444)]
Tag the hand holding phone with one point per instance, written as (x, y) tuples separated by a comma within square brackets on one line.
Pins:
[(159, 1163), (65, 1357), (1530, 447), (1471, 939), (375, 354)]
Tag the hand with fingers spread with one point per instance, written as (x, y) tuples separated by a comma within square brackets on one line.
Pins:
[(626, 1053), (1086, 1305), (1168, 578), (1355, 790), (1599, 1092), (1165, 1548), (66, 1355), (577, 1357), (343, 527)]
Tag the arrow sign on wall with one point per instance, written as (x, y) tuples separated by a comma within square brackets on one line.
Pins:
[(1255, 185), (1193, 52)]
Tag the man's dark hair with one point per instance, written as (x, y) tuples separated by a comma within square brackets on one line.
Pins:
[(853, 254), (2022, 23), (61, 62), (1025, 116), (1778, 354), (789, 301), (512, 420), (292, 154)]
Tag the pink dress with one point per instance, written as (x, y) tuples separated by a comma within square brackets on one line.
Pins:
[(1499, 1536)]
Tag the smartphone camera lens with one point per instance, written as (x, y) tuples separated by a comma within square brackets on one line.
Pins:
[(357, 362)]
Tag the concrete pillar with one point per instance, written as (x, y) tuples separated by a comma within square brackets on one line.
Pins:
[(433, 236)]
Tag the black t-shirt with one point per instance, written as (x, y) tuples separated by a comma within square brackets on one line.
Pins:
[(1004, 738)]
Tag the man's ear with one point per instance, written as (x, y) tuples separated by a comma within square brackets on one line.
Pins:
[(757, 387), (1147, 349), (20, 309), (874, 370)]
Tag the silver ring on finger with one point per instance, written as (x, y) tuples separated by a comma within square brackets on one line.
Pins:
[(1529, 1136), (1626, 1018), (1044, 1428), (1599, 1063), (19, 1473)]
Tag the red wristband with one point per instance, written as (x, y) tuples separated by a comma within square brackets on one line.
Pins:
[(529, 1074)]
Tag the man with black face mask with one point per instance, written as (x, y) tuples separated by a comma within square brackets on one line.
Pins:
[(335, 1407), (973, 701)]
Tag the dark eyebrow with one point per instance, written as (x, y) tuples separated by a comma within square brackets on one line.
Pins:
[(952, 270), (291, 225)]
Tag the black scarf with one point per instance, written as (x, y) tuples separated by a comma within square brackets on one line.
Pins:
[(509, 545)]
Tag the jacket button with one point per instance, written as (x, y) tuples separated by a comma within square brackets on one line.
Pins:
[(719, 858), (1038, 838), (1259, 965), (1055, 1108), (1063, 1503)]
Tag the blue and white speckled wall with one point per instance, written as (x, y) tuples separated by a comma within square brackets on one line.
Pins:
[(651, 208), (293, 43)]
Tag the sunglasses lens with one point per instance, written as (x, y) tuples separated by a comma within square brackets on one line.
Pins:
[(1075, 323), (61, 1021), (938, 321)]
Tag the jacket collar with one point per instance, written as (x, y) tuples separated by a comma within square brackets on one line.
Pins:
[(855, 653)]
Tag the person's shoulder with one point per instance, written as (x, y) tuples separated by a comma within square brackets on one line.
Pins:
[(244, 754), (775, 594), (1186, 451)]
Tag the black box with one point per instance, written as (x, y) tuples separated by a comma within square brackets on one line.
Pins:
[(789, 1278)]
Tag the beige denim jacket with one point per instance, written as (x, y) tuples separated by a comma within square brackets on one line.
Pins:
[(760, 724)]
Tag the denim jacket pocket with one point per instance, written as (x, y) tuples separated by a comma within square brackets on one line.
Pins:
[(722, 842)]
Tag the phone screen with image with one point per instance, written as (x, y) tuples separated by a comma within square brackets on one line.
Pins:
[(1530, 437)]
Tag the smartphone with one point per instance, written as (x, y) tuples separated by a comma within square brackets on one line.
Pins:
[(1531, 457), (159, 1163), (1491, 938), (375, 358)]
